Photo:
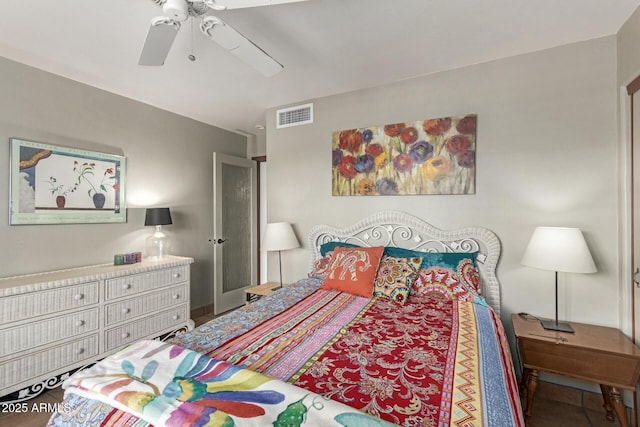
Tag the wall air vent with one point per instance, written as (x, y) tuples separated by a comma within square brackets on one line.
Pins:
[(295, 116)]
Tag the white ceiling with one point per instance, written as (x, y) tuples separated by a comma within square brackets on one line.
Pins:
[(326, 46)]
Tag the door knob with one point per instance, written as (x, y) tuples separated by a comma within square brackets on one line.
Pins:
[(218, 241)]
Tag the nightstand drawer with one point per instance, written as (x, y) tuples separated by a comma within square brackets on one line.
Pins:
[(147, 303), (136, 283), (600, 367), (146, 327), (29, 305), (32, 335)]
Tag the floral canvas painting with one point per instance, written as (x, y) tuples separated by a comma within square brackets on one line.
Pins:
[(52, 184), (434, 156)]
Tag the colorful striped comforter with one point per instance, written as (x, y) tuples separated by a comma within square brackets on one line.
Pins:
[(168, 385), (430, 362)]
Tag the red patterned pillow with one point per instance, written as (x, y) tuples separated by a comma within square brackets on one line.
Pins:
[(321, 266), (469, 275), (460, 284), (353, 270)]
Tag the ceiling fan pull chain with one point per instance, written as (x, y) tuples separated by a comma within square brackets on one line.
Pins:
[(192, 57)]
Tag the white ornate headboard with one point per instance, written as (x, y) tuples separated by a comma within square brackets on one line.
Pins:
[(406, 231)]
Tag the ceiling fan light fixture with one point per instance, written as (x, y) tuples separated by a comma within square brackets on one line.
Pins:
[(176, 9)]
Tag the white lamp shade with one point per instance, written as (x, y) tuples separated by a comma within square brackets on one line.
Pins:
[(279, 236), (559, 249)]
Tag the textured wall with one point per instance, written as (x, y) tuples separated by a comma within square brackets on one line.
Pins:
[(169, 164), (546, 155)]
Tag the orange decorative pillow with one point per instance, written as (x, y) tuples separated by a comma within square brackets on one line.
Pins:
[(353, 270)]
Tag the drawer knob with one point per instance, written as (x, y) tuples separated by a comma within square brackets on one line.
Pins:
[(79, 323), (176, 275), (78, 297), (176, 296), (127, 286), (80, 351), (126, 310), (176, 317), (125, 335)]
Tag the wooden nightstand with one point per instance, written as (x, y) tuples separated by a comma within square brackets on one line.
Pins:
[(593, 353), (266, 289)]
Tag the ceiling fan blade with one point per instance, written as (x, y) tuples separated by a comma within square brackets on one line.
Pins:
[(240, 46), (162, 32), (240, 4)]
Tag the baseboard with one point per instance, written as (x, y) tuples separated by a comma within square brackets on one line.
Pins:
[(202, 311)]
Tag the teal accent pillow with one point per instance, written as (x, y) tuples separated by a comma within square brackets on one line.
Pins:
[(325, 248), (432, 259)]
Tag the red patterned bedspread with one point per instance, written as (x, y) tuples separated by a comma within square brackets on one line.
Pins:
[(429, 362)]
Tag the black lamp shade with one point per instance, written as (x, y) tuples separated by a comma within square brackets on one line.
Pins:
[(157, 216)]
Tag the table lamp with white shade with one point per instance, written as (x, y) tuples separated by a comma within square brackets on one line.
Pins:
[(279, 236), (559, 249)]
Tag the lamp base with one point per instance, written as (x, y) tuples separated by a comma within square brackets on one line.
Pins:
[(551, 325), (157, 245)]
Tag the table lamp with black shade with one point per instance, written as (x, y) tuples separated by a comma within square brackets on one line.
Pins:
[(559, 249), (158, 243)]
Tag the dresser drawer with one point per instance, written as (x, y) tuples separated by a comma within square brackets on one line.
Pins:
[(147, 327), (30, 366), (29, 305), (136, 283), (145, 304), (35, 334)]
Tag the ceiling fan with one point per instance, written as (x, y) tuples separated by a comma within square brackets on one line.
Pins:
[(163, 30)]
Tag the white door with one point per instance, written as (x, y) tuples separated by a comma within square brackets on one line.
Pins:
[(635, 149), (634, 93), (234, 230)]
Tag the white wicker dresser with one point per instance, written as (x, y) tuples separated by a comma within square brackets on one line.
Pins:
[(54, 322)]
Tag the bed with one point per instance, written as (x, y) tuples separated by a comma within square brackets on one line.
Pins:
[(398, 323)]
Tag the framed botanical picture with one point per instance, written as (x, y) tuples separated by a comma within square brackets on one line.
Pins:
[(51, 184), (433, 156)]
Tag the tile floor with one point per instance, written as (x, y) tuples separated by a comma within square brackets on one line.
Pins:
[(554, 406), (551, 413), (559, 406)]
